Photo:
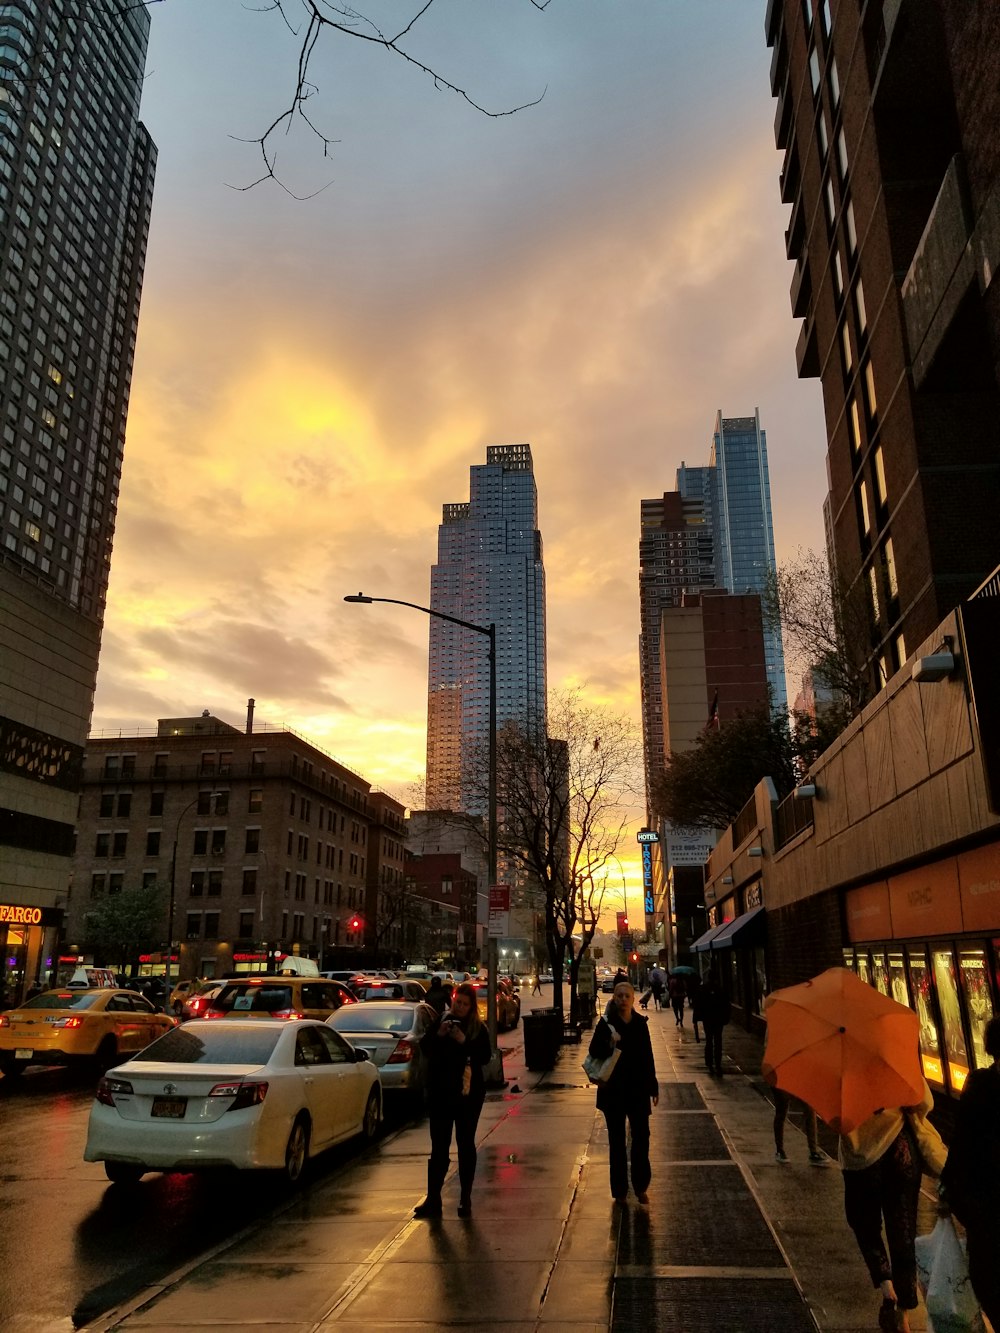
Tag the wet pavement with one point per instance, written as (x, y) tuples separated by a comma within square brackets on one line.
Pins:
[(731, 1240)]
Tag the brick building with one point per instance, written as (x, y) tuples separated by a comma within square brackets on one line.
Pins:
[(441, 909), (271, 844), (888, 115)]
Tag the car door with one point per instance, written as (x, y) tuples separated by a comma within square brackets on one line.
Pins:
[(319, 1087), (354, 1079), (148, 1022), (123, 1020)]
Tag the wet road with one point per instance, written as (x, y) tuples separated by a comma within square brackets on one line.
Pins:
[(71, 1244)]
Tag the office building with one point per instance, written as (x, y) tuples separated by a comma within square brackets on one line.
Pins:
[(76, 180), (272, 846), (888, 114), (489, 570)]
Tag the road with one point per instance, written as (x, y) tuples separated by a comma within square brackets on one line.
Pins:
[(71, 1246)]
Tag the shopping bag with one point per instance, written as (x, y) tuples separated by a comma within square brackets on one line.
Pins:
[(943, 1274), (598, 1069)]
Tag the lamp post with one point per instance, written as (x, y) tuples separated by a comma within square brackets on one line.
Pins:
[(173, 890), (491, 856)]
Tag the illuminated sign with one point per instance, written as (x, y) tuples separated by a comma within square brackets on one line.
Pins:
[(249, 957), (649, 908), (12, 915), (647, 867), (647, 835)]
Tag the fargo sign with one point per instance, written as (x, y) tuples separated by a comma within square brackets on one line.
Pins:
[(13, 915)]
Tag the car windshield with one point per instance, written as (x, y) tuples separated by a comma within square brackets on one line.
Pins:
[(378, 1018), (380, 993), (214, 1044), (64, 999), (268, 999)]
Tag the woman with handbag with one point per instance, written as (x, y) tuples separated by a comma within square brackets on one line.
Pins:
[(883, 1160), (627, 1093), (457, 1047), (971, 1177)]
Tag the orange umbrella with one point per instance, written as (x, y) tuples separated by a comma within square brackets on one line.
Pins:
[(842, 1047)]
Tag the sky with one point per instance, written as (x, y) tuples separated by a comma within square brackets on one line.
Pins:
[(596, 275)]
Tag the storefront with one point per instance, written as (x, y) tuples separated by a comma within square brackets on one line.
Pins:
[(734, 947), (930, 938), (27, 936)]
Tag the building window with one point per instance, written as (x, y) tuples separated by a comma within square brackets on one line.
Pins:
[(825, 15), (159, 765), (116, 882), (107, 806), (124, 804), (855, 425), (128, 765), (298, 925), (200, 842), (873, 589), (823, 136), (814, 76), (197, 883), (156, 802), (257, 761), (866, 520), (250, 880), (890, 572), (859, 303), (193, 930), (838, 273), (153, 842), (256, 800), (215, 883), (845, 338), (852, 231), (149, 880), (211, 925), (225, 763), (246, 925), (119, 843), (830, 203), (900, 646), (870, 391), (842, 162), (253, 840), (112, 765), (218, 841), (834, 79), (97, 883), (880, 486), (208, 762)]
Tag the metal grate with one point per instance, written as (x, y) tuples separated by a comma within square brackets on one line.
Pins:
[(707, 1305), (687, 1138), (680, 1097)]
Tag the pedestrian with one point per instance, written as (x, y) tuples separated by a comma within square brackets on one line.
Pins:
[(657, 984), (437, 996), (971, 1176), (536, 988), (693, 987), (457, 1046), (677, 992), (882, 1168), (628, 1092), (782, 1104), (713, 1012)]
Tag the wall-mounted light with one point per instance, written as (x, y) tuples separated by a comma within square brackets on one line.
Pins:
[(937, 666), (755, 851), (806, 791)]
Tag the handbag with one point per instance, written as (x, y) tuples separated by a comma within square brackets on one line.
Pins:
[(599, 1068), (943, 1274), (930, 1145)]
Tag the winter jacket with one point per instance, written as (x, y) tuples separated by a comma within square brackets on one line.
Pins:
[(971, 1175), (447, 1060), (633, 1079)]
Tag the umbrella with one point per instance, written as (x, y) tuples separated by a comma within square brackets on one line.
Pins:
[(842, 1047), (683, 971)]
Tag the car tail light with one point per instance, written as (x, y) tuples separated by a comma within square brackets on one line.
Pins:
[(4, 1021), (243, 1094), (287, 1013), (73, 1021), (214, 1013), (402, 1053), (109, 1088)]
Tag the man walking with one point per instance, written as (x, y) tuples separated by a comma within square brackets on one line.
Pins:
[(713, 1012)]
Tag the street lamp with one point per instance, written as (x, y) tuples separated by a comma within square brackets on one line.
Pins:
[(173, 884), (491, 857)]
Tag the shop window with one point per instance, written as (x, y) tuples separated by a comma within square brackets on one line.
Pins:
[(923, 1002), (880, 972), (897, 978), (946, 980), (975, 977), (864, 970)]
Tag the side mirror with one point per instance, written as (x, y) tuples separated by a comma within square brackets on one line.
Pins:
[(360, 1055)]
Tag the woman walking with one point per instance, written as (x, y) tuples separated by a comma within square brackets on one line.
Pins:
[(882, 1169), (457, 1046), (628, 1092)]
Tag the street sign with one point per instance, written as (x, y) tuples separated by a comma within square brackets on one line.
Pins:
[(499, 911)]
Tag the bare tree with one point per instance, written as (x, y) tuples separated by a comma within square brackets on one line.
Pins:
[(564, 792)]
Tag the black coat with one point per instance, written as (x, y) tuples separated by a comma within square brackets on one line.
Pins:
[(447, 1060), (633, 1079), (971, 1175)]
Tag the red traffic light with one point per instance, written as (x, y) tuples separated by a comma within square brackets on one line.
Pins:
[(354, 923), (635, 957)]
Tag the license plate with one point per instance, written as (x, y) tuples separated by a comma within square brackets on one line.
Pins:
[(23, 1053), (169, 1108)]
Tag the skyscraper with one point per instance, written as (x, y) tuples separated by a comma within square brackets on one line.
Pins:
[(888, 116), (76, 180), (489, 570)]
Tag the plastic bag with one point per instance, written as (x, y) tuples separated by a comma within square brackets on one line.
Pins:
[(943, 1274)]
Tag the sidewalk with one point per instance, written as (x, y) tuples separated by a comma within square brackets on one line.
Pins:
[(731, 1240)]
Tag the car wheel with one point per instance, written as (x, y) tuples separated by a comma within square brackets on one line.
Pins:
[(11, 1068), (297, 1151), (107, 1053), (178, 1009), (124, 1173), (372, 1117)]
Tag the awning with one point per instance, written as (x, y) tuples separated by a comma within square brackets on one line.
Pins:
[(746, 931), (704, 942)]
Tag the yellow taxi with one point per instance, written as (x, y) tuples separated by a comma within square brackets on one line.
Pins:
[(70, 1024)]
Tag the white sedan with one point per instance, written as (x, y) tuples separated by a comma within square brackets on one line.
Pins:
[(242, 1093)]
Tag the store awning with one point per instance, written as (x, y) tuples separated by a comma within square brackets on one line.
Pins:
[(746, 931), (704, 942)]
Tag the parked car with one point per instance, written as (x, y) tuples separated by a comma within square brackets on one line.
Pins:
[(410, 991), (68, 1026), (390, 1033), (545, 978), (241, 1094), (279, 997), (508, 1004)]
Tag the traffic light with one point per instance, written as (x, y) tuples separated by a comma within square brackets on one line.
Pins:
[(634, 956), (355, 923)]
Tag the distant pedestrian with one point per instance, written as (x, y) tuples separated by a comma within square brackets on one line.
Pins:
[(677, 992), (628, 1093), (457, 1048), (693, 987), (713, 1012), (971, 1176), (657, 985), (437, 996), (782, 1105), (536, 988)]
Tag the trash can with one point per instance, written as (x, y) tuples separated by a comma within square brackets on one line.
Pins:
[(542, 1038)]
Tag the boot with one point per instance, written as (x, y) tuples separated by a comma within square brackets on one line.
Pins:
[(465, 1202), (431, 1205)]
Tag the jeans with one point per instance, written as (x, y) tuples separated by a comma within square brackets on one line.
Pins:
[(713, 1047), (462, 1116), (887, 1191), (638, 1119)]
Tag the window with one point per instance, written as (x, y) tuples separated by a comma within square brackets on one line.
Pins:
[(115, 882), (256, 800), (156, 802), (845, 337), (253, 840), (204, 803), (149, 879), (823, 135), (855, 425), (197, 883), (124, 804), (112, 765), (852, 231), (866, 521), (97, 883), (870, 390), (218, 841), (257, 761), (814, 77), (250, 880), (890, 572), (118, 844), (838, 273), (834, 79), (159, 765), (107, 806), (830, 203), (222, 803), (193, 930), (200, 842), (208, 761), (859, 303), (880, 487), (842, 162), (900, 645), (825, 16), (153, 842), (128, 765), (215, 883), (225, 763), (211, 925), (873, 589), (246, 926)]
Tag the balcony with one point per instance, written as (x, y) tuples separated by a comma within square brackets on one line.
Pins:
[(783, 117), (792, 816), (791, 175), (807, 351)]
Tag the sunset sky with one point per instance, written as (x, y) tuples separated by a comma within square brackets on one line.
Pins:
[(596, 275)]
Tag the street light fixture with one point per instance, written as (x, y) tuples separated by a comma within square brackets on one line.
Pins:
[(491, 858)]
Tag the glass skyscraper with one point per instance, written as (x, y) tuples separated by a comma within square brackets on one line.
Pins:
[(489, 570), (76, 182)]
